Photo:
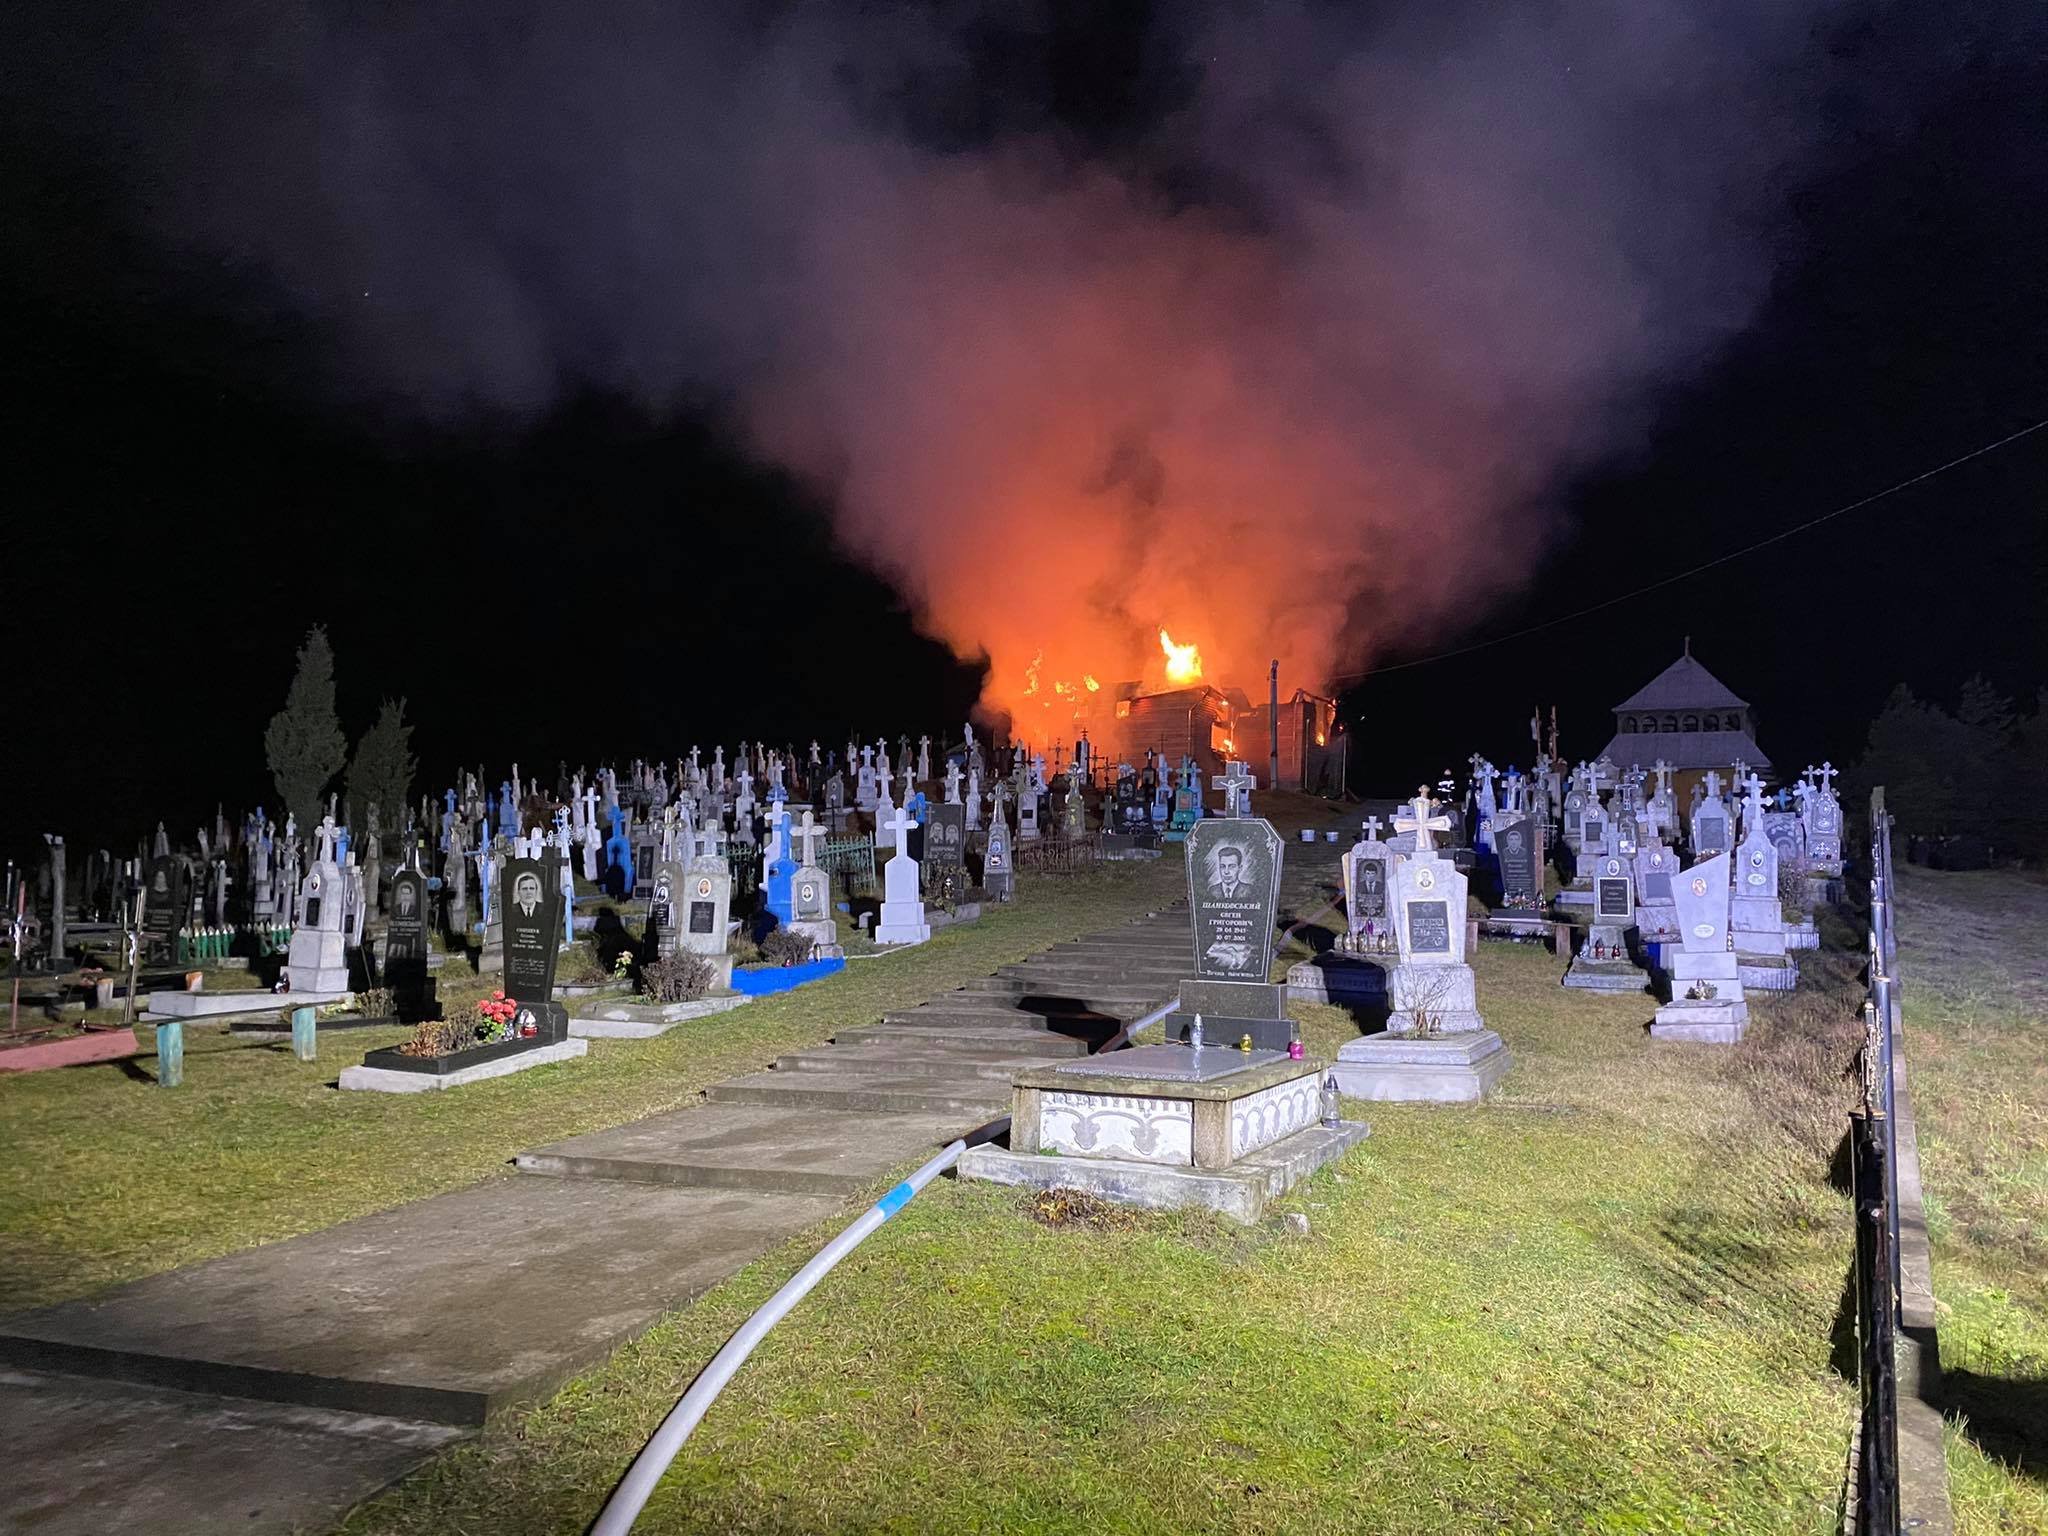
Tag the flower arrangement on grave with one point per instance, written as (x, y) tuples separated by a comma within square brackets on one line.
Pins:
[(495, 1016), (622, 966)]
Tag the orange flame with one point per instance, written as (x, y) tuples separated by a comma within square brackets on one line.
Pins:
[(1183, 662)]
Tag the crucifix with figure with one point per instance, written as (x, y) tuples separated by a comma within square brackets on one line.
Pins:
[(1237, 783), (1421, 823)]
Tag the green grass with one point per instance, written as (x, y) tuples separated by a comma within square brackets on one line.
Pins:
[(1607, 1301), (1973, 965), (104, 1176)]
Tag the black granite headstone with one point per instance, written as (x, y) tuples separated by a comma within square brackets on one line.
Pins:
[(406, 947), (533, 917), (167, 900), (1234, 894), (1369, 881), (1514, 837)]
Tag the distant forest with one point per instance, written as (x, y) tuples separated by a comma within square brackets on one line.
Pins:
[(1965, 786)]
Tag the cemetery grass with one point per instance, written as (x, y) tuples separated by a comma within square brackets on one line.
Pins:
[(1609, 1301), (1973, 966), (108, 1177)]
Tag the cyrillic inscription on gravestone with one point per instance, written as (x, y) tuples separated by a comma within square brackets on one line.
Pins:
[(532, 923), (1369, 886), (1234, 894), (1713, 834), (1429, 927), (1616, 899), (1514, 837), (405, 933)]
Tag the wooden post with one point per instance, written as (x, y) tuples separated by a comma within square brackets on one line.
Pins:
[(305, 1044), (135, 955), (170, 1053)]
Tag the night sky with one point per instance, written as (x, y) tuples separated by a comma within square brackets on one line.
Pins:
[(193, 480)]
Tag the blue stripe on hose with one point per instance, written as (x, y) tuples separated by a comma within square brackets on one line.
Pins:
[(895, 1200)]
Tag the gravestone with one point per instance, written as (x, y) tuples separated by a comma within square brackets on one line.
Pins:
[(1234, 904), (902, 918), (1656, 916), (835, 803), (1436, 1047), (1755, 915), (1707, 1002), (998, 869), (167, 904), (532, 919), (1710, 825), (1518, 844), (811, 893), (407, 948), (1604, 961), (706, 908), (665, 908), (1368, 919), (943, 869), (318, 961)]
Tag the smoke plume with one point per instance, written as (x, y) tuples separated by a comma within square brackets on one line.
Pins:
[(1281, 355)]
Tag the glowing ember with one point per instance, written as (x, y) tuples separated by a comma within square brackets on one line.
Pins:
[(1183, 662)]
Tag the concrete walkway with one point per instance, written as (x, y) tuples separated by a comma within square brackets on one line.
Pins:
[(342, 1359)]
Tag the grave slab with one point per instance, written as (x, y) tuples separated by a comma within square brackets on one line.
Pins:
[(383, 1080), (645, 1021), (1459, 1068), (1242, 1191), (446, 1310)]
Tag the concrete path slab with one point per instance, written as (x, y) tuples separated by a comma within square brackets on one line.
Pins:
[(741, 1146), (446, 1309), (835, 1092), (88, 1457)]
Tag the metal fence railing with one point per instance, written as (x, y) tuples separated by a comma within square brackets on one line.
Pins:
[(1875, 1171)]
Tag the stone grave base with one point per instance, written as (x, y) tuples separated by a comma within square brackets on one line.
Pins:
[(1804, 935), (1241, 1191), (384, 1080), (1334, 977), (1446, 993), (1767, 973), (1622, 975), (643, 1021), (1718, 1021), (1575, 896), (210, 1005), (1431, 1069)]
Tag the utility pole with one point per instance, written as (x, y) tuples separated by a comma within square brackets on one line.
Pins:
[(1273, 722)]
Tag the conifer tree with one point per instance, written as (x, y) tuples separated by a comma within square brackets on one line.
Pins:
[(382, 769), (303, 742)]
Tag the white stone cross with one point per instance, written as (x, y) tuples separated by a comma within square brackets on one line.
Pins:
[(952, 783), (1663, 771), (323, 840), (1753, 800), (1713, 785), (1236, 783), (900, 824), (1422, 824), (1372, 825), (775, 814), (1827, 778), (809, 832)]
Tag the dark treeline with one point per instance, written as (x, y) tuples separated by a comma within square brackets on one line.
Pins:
[(1967, 780)]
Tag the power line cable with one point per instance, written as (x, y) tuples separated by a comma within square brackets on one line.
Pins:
[(1708, 565)]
